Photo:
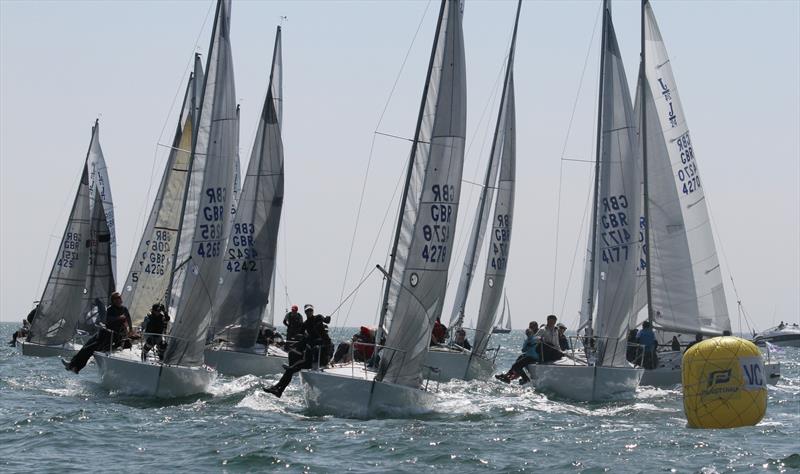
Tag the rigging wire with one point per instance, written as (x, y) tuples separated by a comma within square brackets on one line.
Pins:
[(561, 167), (372, 148)]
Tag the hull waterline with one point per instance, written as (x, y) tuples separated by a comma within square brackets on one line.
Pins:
[(131, 376)]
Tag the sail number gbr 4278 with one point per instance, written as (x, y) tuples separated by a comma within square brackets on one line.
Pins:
[(437, 234)]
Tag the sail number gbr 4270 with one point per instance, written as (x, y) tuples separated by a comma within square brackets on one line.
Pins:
[(437, 233)]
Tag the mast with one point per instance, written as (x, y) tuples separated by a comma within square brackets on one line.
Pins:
[(598, 152), (390, 271), (193, 115), (645, 190), (483, 209)]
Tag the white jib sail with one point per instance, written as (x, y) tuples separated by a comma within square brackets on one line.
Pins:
[(215, 142), (616, 208), (505, 149), (686, 279), (99, 277), (60, 305), (149, 276), (428, 215), (98, 179), (249, 260)]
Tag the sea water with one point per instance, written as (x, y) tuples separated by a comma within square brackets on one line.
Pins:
[(53, 421)]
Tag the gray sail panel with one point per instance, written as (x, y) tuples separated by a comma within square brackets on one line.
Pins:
[(502, 221), (148, 279), (98, 179), (686, 278), (60, 305), (248, 264), (215, 141), (428, 219), (617, 209), (192, 194), (99, 275)]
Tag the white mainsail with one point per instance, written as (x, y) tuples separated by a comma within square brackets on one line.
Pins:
[(248, 265), (149, 277), (98, 179), (214, 147), (429, 209), (685, 276), (504, 150), (99, 274), (615, 208), (60, 306)]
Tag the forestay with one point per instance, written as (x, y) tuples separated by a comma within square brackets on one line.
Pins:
[(249, 260), (427, 220), (60, 305), (149, 277), (686, 280), (215, 144), (99, 276), (616, 207), (504, 150), (98, 179)]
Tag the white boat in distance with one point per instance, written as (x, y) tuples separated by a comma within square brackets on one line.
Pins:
[(416, 279), (781, 335), (500, 329)]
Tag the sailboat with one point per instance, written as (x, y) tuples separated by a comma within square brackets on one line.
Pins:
[(500, 328), (416, 277), (610, 268), (80, 271), (249, 261), (453, 361), (203, 216), (683, 288)]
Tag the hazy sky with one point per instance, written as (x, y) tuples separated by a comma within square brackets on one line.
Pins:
[(62, 64)]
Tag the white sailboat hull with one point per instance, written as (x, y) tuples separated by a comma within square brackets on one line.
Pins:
[(125, 373), (586, 383), (668, 372), (455, 364), (228, 361), (41, 350), (352, 393)]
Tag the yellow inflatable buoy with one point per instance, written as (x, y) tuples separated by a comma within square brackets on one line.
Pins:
[(724, 383)]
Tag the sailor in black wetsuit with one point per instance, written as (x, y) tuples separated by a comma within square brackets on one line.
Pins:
[(117, 327), (154, 325)]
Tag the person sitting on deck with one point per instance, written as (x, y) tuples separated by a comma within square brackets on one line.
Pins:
[(647, 340), (461, 339), (563, 341), (529, 356), (550, 347), (26, 327), (117, 327), (153, 326), (294, 324), (676, 344), (439, 332)]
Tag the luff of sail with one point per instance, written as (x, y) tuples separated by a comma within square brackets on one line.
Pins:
[(149, 276), (685, 276), (505, 149), (60, 305), (249, 260), (427, 221), (99, 277), (98, 179), (616, 208), (215, 144)]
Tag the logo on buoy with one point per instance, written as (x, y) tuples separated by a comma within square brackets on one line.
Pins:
[(719, 376)]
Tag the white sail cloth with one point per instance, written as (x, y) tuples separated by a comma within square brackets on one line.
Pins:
[(616, 212), (249, 260), (99, 273), (428, 215), (98, 180), (215, 145), (686, 279), (149, 277), (60, 305)]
